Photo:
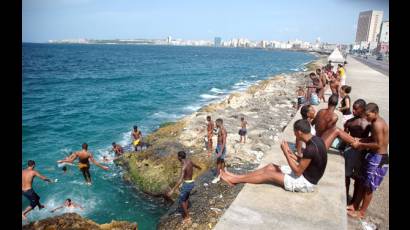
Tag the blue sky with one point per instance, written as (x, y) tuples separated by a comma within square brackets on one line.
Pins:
[(331, 20)]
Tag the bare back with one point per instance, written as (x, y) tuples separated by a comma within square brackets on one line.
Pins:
[(188, 169), (83, 156), (325, 119), (210, 127), (27, 179), (243, 124)]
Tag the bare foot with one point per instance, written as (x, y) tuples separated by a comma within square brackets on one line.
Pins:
[(187, 221), (350, 208), (355, 214), (224, 177)]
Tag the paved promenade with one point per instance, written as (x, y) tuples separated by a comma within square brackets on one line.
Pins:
[(271, 207)]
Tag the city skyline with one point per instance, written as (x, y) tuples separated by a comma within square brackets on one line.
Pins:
[(332, 21)]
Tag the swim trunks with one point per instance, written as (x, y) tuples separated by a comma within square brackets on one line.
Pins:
[(374, 170), (301, 100), (136, 142), (83, 165), (32, 197), (186, 189), (242, 132), (218, 150), (353, 162)]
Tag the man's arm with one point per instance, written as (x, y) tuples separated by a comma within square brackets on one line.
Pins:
[(298, 169), (42, 177), (70, 159), (377, 138), (181, 178), (77, 206), (57, 208), (96, 163), (196, 166)]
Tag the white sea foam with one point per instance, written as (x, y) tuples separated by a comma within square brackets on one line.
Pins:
[(191, 108), (166, 116), (216, 90), (208, 96), (253, 76)]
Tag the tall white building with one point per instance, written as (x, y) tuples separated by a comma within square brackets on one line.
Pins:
[(384, 32), (368, 26)]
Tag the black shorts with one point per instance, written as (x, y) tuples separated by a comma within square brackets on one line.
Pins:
[(32, 197)]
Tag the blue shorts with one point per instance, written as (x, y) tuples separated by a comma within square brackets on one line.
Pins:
[(218, 150), (185, 191), (374, 170)]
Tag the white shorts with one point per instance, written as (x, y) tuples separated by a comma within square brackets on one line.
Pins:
[(294, 183)]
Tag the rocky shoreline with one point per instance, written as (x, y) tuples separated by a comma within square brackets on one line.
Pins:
[(268, 106)]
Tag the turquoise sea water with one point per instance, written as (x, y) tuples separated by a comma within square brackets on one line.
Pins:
[(96, 93)]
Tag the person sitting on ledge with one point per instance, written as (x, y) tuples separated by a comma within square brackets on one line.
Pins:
[(308, 113), (302, 177), (325, 125)]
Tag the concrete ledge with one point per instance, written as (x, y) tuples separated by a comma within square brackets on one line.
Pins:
[(271, 207)]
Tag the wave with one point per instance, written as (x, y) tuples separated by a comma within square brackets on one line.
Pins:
[(191, 108), (166, 116), (208, 96), (217, 91), (253, 76)]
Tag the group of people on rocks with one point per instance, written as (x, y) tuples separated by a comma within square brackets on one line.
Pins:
[(365, 138)]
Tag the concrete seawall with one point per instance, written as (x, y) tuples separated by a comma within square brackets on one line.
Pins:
[(271, 207)]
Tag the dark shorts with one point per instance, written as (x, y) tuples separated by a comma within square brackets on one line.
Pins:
[(185, 191), (218, 150), (374, 170), (242, 132), (301, 100), (32, 197)]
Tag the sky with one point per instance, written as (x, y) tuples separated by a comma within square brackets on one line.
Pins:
[(334, 21)]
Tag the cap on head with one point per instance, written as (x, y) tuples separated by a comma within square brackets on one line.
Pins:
[(31, 163), (85, 146), (181, 155)]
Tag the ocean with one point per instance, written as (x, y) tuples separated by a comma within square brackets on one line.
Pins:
[(95, 93)]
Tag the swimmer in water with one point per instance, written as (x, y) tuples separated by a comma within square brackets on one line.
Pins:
[(68, 204)]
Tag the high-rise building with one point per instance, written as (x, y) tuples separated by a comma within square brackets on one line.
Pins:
[(169, 39), (217, 41), (368, 26), (384, 32)]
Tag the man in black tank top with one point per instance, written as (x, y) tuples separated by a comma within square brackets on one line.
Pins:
[(302, 177)]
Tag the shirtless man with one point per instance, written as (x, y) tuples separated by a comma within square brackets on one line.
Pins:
[(322, 78), (295, 177), (359, 127), (210, 128), (242, 131), (315, 87), (220, 150), (335, 84), (28, 175), (69, 204), (376, 161), (117, 149), (325, 124), (136, 138), (83, 162), (187, 186)]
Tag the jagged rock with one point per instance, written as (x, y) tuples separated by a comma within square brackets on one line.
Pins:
[(73, 221)]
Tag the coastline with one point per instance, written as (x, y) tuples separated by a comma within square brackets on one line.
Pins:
[(268, 106)]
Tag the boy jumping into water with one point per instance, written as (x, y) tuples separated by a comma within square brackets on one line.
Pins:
[(187, 186), (220, 150), (28, 175), (83, 162)]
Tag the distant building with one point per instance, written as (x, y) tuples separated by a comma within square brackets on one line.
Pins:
[(368, 26), (383, 48), (217, 41), (384, 32), (169, 39)]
